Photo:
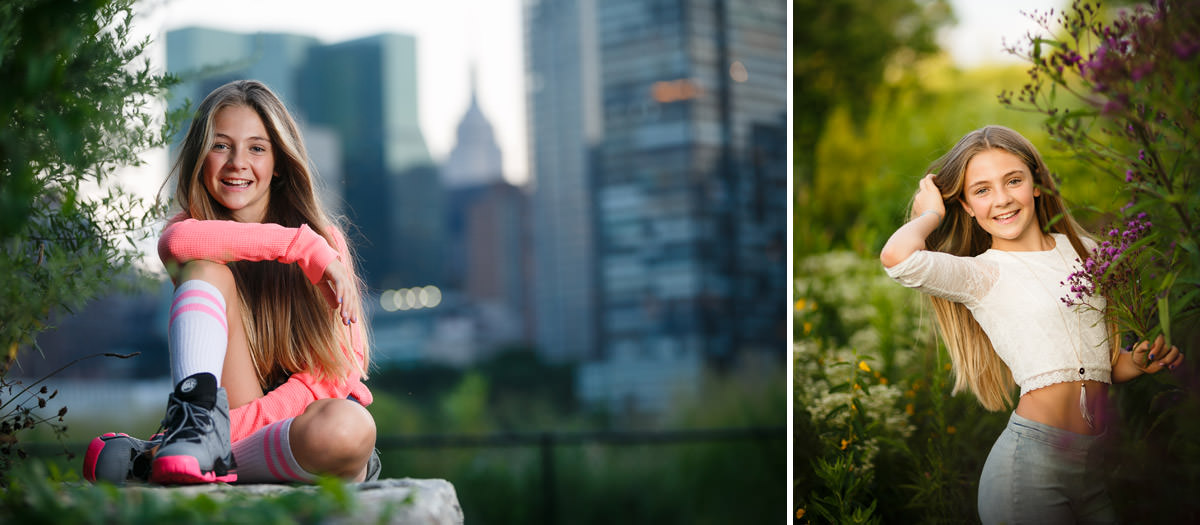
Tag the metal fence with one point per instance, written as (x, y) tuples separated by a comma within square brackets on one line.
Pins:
[(546, 442)]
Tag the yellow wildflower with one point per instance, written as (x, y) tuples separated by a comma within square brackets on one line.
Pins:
[(862, 365), (845, 443), (807, 328), (800, 304), (799, 513), (857, 386), (947, 367), (951, 430), (883, 381), (908, 409)]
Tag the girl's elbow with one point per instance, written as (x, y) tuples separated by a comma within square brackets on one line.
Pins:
[(890, 257)]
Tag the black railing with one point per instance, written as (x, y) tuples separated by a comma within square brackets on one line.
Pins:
[(547, 441)]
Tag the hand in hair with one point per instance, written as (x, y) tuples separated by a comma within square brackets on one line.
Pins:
[(339, 290), (928, 212), (928, 199)]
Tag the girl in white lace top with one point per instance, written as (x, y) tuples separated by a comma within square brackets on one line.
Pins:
[(977, 244)]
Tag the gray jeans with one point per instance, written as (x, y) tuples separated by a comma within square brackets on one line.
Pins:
[(1037, 473)]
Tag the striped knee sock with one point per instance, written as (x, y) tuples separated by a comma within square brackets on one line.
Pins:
[(266, 456), (198, 331)]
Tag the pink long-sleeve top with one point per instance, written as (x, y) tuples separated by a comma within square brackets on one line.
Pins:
[(186, 239)]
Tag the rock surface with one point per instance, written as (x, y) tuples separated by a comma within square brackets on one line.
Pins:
[(394, 501)]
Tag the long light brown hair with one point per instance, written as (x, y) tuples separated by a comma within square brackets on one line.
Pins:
[(977, 367), (289, 324)]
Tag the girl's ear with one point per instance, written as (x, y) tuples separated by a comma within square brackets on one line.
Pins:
[(966, 208)]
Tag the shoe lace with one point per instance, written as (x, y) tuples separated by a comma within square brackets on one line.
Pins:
[(185, 421)]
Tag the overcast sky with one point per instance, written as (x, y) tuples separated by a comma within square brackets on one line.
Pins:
[(984, 26)]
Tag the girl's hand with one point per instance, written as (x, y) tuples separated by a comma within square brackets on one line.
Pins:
[(929, 198), (1152, 359), (339, 290)]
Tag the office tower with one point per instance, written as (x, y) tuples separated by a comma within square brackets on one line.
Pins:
[(366, 91), (488, 234), (685, 84), (565, 128), (686, 183), (473, 164), (209, 58)]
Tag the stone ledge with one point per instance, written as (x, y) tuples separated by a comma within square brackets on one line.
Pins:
[(403, 501)]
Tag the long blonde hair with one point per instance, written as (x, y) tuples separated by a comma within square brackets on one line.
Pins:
[(289, 324), (977, 367)]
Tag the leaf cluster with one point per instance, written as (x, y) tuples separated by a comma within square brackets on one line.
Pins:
[(78, 103)]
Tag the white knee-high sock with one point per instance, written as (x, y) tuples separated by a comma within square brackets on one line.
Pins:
[(266, 455), (198, 331)]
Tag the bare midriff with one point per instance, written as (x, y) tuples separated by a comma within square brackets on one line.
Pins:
[(1057, 405)]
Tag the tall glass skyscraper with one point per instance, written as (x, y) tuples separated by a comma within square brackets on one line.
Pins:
[(687, 216), (684, 85), (366, 90), (565, 129)]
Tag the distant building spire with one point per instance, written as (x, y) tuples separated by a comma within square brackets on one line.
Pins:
[(475, 159)]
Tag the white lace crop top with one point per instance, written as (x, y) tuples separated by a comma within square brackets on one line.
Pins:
[(1016, 298)]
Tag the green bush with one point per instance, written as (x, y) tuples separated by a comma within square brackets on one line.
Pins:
[(76, 105)]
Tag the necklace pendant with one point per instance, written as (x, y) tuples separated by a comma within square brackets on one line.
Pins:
[(1081, 370)]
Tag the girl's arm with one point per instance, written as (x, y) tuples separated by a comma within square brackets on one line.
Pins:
[(302, 388), (963, 280), (223, 242), (910, 238), (1156, 358)]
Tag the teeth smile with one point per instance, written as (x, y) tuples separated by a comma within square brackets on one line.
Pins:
[(1006, 215), (236, 183)]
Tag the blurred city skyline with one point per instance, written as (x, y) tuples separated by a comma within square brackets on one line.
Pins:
[(652, 246), (454, 39)]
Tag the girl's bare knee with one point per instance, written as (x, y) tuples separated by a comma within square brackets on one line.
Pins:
[(334, 436), (211, 272)]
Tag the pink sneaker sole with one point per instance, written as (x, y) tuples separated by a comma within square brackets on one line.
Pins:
[(93, 455), (184, 470)]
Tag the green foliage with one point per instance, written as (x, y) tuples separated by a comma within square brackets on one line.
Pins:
[(40, 495), (511, 390), (843, 51), (929, 446), (843, 501), (76, 106)]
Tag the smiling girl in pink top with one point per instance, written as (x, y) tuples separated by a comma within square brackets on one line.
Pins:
[(267, 352)]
